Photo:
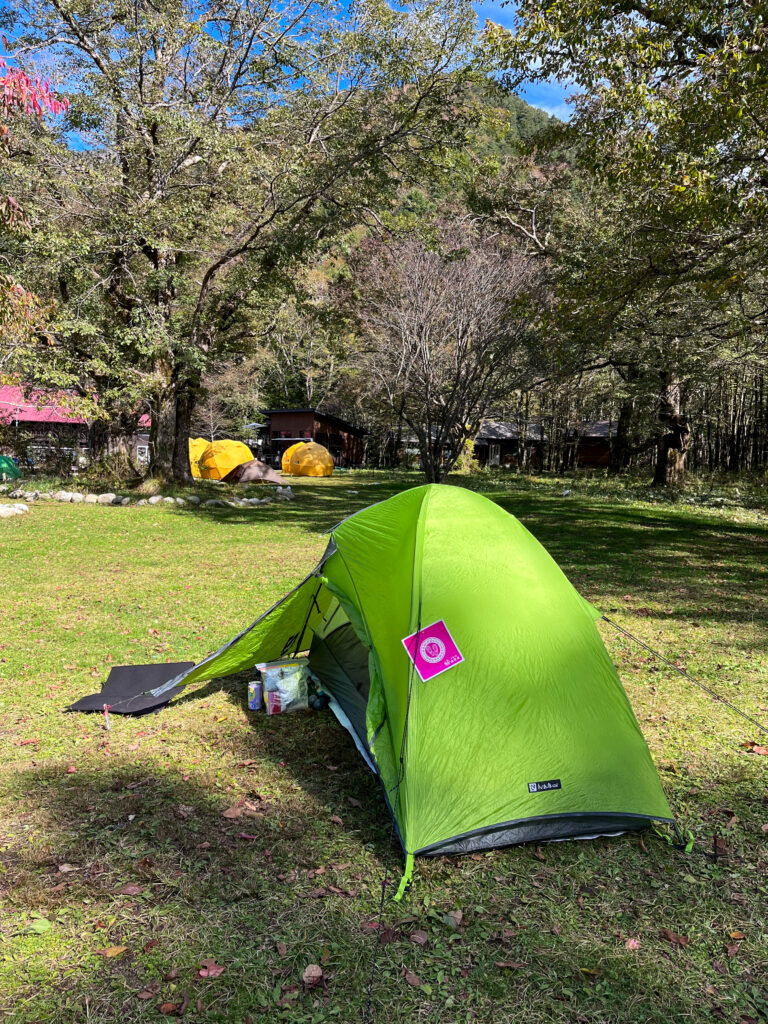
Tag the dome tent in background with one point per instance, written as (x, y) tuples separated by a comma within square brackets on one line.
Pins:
[(8, 468), (285, 462), (307, 458), (220, 457), (197, 446), (480, 666)]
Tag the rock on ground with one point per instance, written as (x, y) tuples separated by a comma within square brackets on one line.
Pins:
[(106, 499), (63, 496), (155, 499), (91, 499)]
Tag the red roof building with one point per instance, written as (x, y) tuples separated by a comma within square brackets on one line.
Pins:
[(37, 407)]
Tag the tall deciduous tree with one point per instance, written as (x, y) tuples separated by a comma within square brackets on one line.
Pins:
[(218, 136), (447, 330)]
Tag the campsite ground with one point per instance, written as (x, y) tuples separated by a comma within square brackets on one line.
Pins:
[(120, 875)]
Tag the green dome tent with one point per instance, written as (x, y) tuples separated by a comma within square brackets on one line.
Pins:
[(470, 673), (8, 468)]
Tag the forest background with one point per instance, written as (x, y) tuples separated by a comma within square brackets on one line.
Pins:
[(219, 207)]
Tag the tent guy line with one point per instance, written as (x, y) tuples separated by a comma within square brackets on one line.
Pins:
[(696, 682)]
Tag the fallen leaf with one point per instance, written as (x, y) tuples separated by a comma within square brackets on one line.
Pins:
[(420, 938), (150, 991), (351, 799), (71, 769), (387, 935), (732, 948), (336, 819), (281, 948), (512, 965), (412, 979), (453, 919), (232, 812), (719, 967), (150, 945), (111, 951), (210, 969), (131, 889), (169, 1009), (591, 971), (737, 935), (538, 853), (172, 974), (312, 976), (66, 868), (753, 748), (27, 743), (710, 990), (673, 937), (632, 944), (764, 828)]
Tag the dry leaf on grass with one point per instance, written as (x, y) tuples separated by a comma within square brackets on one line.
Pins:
[(420, 938), (210, 969), (413, 979), (111, 951), (312, 976), (673, 937)]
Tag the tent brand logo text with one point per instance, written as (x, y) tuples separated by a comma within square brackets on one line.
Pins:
[(539, 787), (432, 650)]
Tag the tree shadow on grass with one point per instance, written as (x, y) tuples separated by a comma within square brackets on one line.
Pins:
[(152, 865)]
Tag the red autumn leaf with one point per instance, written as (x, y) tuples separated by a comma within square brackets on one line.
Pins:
[(632, 944), (754, 748), (27, 743), (131, 889), (169, 1009), (150, 945), (336, 819), (413, 979), (673, 937), (512, 965), (210, 969), (312, 976), (420, 938), (71, 769)]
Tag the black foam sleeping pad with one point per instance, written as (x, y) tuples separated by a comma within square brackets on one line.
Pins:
[(126, 685)]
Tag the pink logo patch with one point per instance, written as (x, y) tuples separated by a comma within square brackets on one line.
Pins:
[(432, 650)]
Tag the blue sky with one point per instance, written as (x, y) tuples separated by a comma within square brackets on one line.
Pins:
[(549, 96)]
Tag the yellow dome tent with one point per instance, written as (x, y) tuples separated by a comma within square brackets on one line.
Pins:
[(288, 455), (197, 446), (309, 459), (221, 457)]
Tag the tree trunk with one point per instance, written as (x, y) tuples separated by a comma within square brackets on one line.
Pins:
[(672, 446), (163, 433), (621, 444), (186, 395)]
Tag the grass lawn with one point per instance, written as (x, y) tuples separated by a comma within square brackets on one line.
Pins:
[(116, 843)]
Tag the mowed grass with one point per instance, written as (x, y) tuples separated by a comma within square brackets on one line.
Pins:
[(117, 840)]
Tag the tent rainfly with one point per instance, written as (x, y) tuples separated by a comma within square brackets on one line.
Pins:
[(197, 446), (307, 458), (220, 457), (472, 677)]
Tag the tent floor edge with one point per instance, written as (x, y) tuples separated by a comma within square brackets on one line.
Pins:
[(545, 828)]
